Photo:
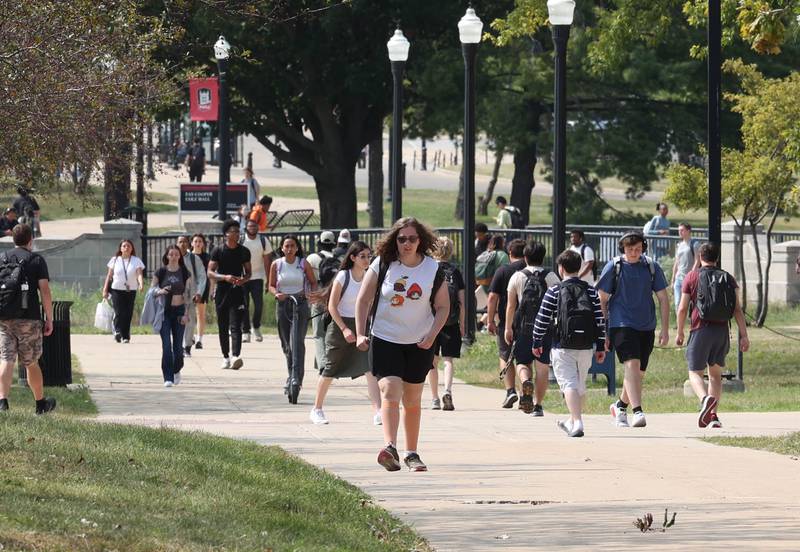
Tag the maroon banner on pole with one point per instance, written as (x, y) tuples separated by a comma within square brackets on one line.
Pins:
[(204, 99)]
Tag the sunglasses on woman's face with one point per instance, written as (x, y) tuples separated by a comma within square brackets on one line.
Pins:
[(409, 239)]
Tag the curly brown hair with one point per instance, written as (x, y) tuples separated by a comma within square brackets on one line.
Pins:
[(387, 245)]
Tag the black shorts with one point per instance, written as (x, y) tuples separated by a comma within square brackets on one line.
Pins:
[(407, 362), (523, 349), (503, 348), (448, 342), (206, 293), (633, 344)]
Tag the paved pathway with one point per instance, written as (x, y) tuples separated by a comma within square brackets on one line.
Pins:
[(498, 480)]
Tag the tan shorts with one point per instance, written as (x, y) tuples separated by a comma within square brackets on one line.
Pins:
[(21, 338)]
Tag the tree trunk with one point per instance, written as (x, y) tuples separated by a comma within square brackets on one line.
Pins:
[(483, 203), (459, 210), (762, 314), (117, 178), (336, 189), (760, 282), (139, 169), (522, 183), (375, 177)]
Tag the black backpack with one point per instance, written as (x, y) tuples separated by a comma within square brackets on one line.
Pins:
[(449, 271), (576, 326), (716, 296), (517, 221), (532, 295), (328, 269), (13, 286)]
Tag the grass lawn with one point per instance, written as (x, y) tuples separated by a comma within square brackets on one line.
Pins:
[(785, 444), (74, 401), (770, 373), (67, 205), (78, 485)]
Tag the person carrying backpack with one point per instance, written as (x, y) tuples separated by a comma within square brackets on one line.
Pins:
[(687, 257), (325, 266), (196, 161), (588, 272), (448, 342), (23, 274), (713, 293), (572, 310), (508, 216), (626, 288), (526, 290)]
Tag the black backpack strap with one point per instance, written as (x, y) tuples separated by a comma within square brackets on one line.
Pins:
[(382, 270), (346, 282)]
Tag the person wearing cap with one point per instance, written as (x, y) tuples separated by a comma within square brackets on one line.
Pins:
[(8, 222), (342, 244), (325, 245)]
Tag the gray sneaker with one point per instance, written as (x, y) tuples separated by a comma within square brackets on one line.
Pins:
[(246, 337), (436, 404), (414, 463)]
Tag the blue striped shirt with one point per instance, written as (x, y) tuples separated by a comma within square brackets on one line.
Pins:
[(548, 310)]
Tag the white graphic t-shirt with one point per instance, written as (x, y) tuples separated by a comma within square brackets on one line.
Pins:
[(404, 307)]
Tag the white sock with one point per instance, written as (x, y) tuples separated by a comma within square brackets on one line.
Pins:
[(576, 425), (409, 453)]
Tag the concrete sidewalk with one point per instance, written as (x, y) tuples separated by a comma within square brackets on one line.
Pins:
[(498, 479)]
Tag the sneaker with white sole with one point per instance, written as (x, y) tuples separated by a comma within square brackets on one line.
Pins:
[(198, 344), (565, 426), (639, 419), (389, 459), (526, 401), (436, 404), (620, 415), (415, 463), (246, 337), (168, 383), (226, 364), (318, 416), (257, 333), (177, 378), (715, 423), (447, 402), (377, 419), (707, 406), (237, 363), (511, 398)]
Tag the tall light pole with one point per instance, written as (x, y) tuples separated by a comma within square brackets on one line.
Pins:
[(222, 51), (713, 144), (561, 12), (398, 47), (469, 31)]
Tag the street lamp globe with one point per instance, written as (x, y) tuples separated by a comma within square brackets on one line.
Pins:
[(470, 28), (398, 46), (561, 11), (222, 50)]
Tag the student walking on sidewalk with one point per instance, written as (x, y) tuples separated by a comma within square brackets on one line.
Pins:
[(198, 273), (229, 267), (174, 282), (291, 276), (343, 358), (572, 310), (401, 289), (712, 292), (199, 251), (626, 288), (125, 277)]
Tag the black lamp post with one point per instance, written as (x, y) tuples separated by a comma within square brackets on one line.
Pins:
[(713, 145), (560, 12), (398, 47), (469, 30), (222, 52)]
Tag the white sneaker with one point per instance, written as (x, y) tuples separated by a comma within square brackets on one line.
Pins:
[(177, 377), (167, 383), (620, 415), (638, 419), (377, 420), (318, 416), (226, 363), (257, 333), (237, 363), (246, 337)]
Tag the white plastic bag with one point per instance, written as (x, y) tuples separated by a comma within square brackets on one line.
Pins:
[(104, 317)]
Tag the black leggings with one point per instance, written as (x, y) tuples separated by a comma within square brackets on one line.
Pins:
[(230, 313), (254, 289), (123, 311)]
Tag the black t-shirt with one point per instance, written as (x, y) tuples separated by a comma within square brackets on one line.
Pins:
[(35, 270), (499, 285), (198, 154), (6, 224), (230, 261), (25, 202)]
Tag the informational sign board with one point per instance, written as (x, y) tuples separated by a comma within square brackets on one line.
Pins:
[(204, 99), (197, 197)]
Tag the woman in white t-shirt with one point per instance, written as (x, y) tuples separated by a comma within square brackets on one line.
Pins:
[(402, 281), (342, 357), (125, 276)]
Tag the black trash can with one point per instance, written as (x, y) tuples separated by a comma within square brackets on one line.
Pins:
[(56, 360)]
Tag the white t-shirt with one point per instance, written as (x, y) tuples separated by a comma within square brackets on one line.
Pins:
[(125, 271), (404, 306), (517, 282), (588, 255), (257, 254), (347, 303)]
